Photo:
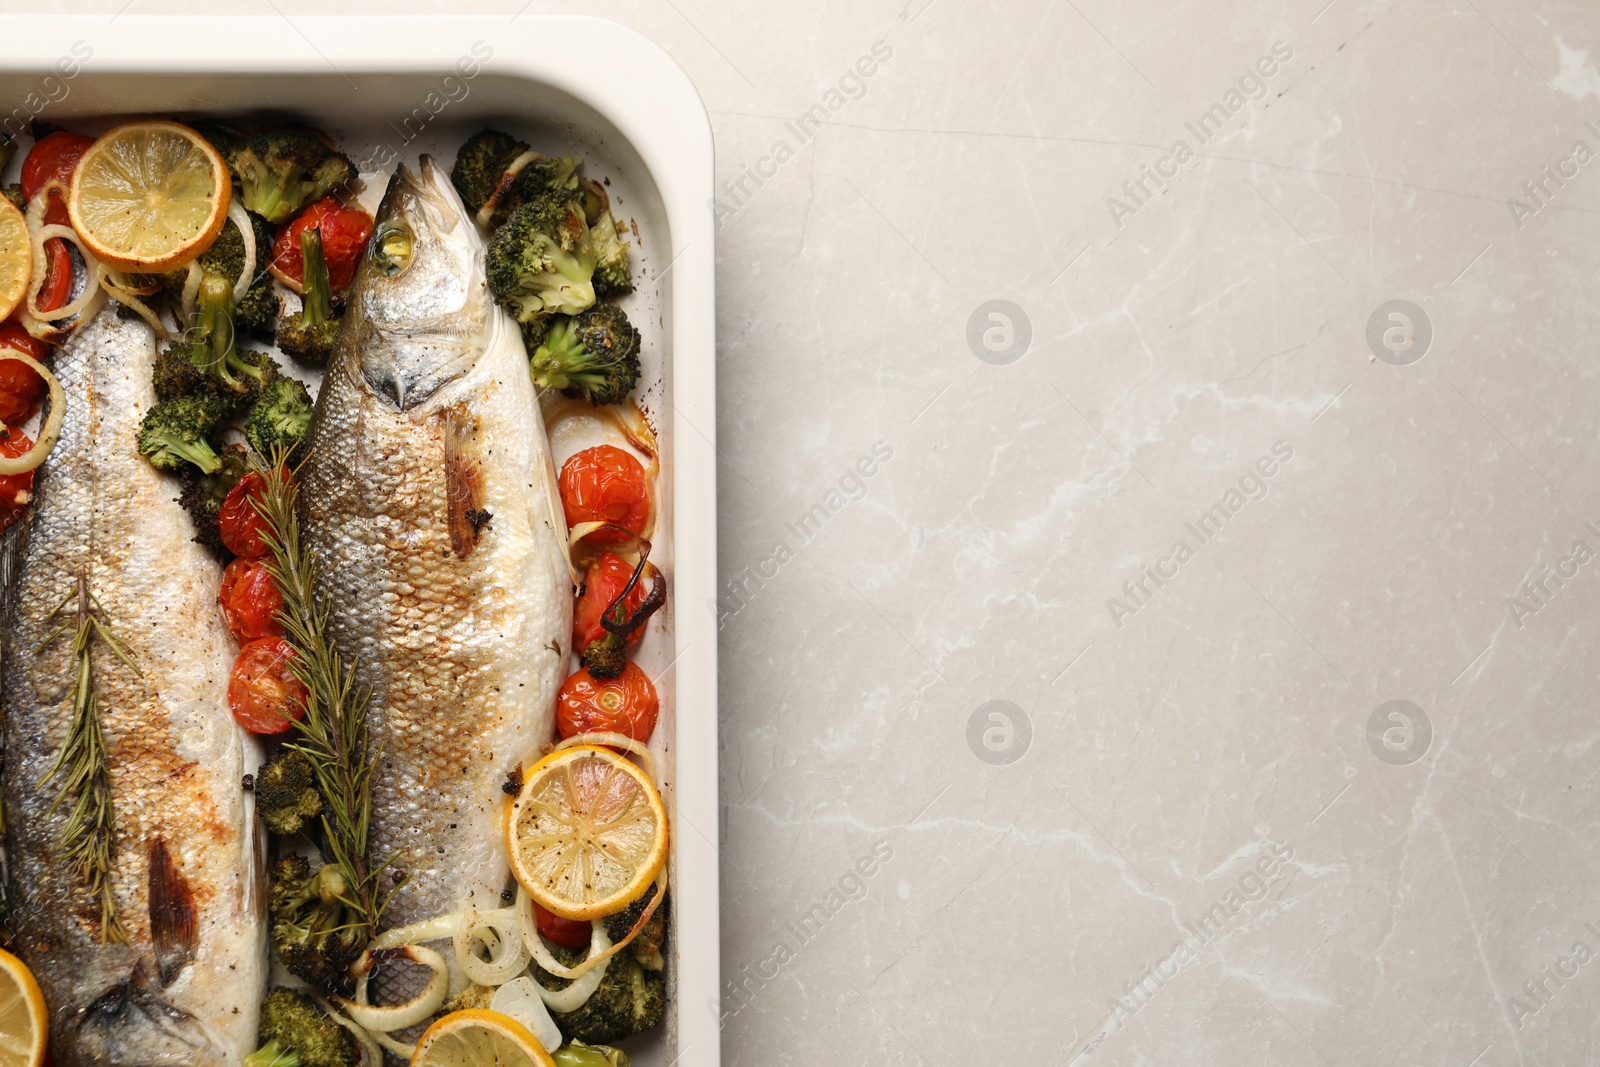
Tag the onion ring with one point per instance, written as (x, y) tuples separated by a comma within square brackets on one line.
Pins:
[(382, 1020), (50, 431), (247, 273), (499, 931), (597, 956), (613, 740), (92, 266)]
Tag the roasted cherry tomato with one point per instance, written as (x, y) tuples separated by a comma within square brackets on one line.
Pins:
[(605, 484), (21, 388), (264, 694), (53, 158), (241, 527), (16, 490), (626, 704), (344, 241), (607, 578), (250, 601), (56, 288), (568, 933)]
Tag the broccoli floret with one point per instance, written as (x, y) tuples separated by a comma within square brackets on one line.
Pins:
[(646, 947), (225, 259), (628, 1000), (14, 194), (317, 934), (595, 356), (176, 375), (540, 262), (175, 432), (480, 165), (212, 346), (310, 332), (579, 1054), (293, 1026), (281, 171), (259, 309), (202, 495), (280, 418), (543, 181), (286, 792), (611, 274)]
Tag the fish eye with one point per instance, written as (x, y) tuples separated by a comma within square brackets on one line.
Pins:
[(392, 248)]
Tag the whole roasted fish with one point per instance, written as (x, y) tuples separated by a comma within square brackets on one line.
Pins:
[(429, 504), (187, 985)]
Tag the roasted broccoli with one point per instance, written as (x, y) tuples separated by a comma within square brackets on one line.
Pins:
[(286, 792), (255, 313), (280, 417), (212, 345), (595, 356), (611, 274), (281, 171), (309, 333), (628, 999), (176, 375), (203, 494), (175, 432), (480, 165), (316, 933), (543, 181), (540, 262), (646, 947), (14, 194), (579, 1054), (296, 1033)]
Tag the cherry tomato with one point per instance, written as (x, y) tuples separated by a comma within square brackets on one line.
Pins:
[(53, 158), (344, 241), (264, 694), (605, 484), (56, 288), (241, 526), (16, 490), (568, 933), (607, 577), (21, 388), (250, 601), (626, 704)]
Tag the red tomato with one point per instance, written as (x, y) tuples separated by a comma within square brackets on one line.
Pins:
[(605, 484), (264, 694), (250, 601), (56, 288), (607, 577), (626, 704), (21, 388), (344, 240), (241, 527), (568, 933), (53, 158), (16, 490)]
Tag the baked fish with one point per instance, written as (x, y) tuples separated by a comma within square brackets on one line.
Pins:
[(187, 985), (429, 504)]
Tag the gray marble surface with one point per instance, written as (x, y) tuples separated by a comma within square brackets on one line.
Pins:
[(1159, 621)]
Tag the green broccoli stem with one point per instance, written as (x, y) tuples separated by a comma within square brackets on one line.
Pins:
[(318, 289), (272, 1054), (214, 350)]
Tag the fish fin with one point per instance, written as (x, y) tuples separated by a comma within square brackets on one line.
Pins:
[(463, 480), (174, 926)]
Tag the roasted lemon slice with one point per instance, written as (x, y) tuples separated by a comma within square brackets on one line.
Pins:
[(16, 258), (478, 1038), (587, 834), (149, 196), (23, 1030)]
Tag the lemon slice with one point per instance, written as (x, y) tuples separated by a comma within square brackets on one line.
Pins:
[(149, 196), (16, 258), (23, 1030), (478, 1038), (587, 834)]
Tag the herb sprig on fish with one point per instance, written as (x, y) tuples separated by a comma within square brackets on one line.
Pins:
[(89, 838), (322, 919)]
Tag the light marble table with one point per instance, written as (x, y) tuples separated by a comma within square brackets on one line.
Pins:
[(1196, 663)]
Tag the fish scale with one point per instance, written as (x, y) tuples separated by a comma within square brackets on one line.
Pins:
[(188, 986), (429, 505)]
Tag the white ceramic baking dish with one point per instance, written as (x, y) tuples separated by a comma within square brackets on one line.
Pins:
[(390, 88)]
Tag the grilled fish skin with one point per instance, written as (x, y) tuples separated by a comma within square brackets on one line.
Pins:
[(429, 505), (187, 987)]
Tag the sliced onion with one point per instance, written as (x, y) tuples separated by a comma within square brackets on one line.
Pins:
[(586, 977), (382, 1020), (191, 289), (92, 266), (486, 212), (500, 933), (248, 232), (372, 1052), (427, 930), (50, 432), (612, 740), (399, 1048), (116, 283)]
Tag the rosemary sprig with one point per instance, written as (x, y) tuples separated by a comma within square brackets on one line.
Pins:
[(333, 731), (89, 838)]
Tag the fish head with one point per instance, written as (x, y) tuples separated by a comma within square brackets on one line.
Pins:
[(421, 303), (130, 1025)]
